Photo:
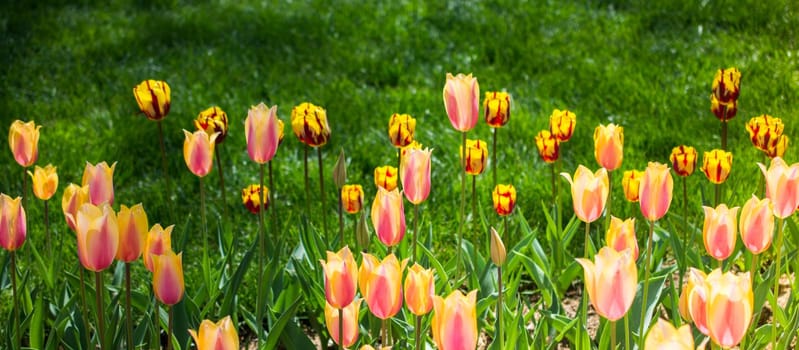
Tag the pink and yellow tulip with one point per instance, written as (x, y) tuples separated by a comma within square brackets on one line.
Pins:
[(611, 282), (664, 336), (100, 179), (350, 323), (341, 277), (621, 236), (782, 186), (454, 322), (159, 241), (608, 146), (13, 223), (98, 236), (133, 228), (720, 230), (74, 197), (419, 290), (655, 192), (168, 283), (198, 151), (388, 216), (757, 224), (216, 336), (462, 101), (729, 307), (262, 132), (415, 175), (589, 192), (23, 139), (693, 300), (380, 283)]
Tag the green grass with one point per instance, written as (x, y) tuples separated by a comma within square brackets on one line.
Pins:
[(648, 67)]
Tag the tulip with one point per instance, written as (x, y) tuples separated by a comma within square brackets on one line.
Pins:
[(777, 149), (454, 322), (352, 198), (419, 290), (621, 236), (74, 197), (153, 98), (400, 129), (386, 177), (309, 123), (548, 146), (757, 224), (133, 228), (23, 138), (664, 336), (727, 84), (168, 282), (280, 128), (45, 181), (261, 129), (589, 192), (461, 100), (498, 253), (656, 191), (631, 183), (159, 241), (350, 323), (611, 282), (561, 124), (250, 197), (213, 120), (98, 236), (720, 231), (608, 145), (764, 131), (216, 336), (388, 216), (341, 277), (782, 186), (413, 145), (476, 156), (497, 108), (13, 224), (693, 300), (723, 110), (683, 160), (504, 199), (716, 165), (340, 170), (100, 179), (198, 151), (381, 284), (415, 175), (729, 307)]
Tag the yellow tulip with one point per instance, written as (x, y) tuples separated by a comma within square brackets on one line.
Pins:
[(251, 198), (352, 198), (504, 197), (561, 124), (386, 177), (419, 290), (631, 183), (45, 181), (400, 129), (476, 156), (548, 146)]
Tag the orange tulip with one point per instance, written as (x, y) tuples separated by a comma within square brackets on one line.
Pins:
[(462, 100), (13, 223), (350, 313), (352, 198), (561, 124), (400, 129), (476, 156), (757, 224), (23, 138), (717, 165), (497, 248), (504, 197), (419, 290), (45, 181), (608, 146), (683, 160), (621, 236), (631, 183), (782, 186), (168, 283), (133, 228), (309, 123), (251, 198), (729, 307), (656, 191), (548, 146), (216, 336), (589, 192), (213, 120), (497, 108), (74, 197), (693, 301), (664, 336), (381, 284), (388, 216), (341, 277), (153, 97), (262, 132), (159, 241), (386, 177), (198, 151), (611, 282), (415, 175), (100, 179), (720, 231), (454, 321), (98, 236)]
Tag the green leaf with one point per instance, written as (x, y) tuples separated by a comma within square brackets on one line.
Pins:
[(277, 329)]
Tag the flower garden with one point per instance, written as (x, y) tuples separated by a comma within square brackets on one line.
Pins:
[(461, 212)]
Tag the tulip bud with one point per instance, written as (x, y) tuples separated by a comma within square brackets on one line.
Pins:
[(198, 152), (309, 123), (341, 277), (782, 182), (262, 129), (216, 336), (100, 179), (340, 170), (757, 224), (730, 303), (419, 290), (13, 223), (589, 192), (415, 174), (362, 232), (504, 197), (461, 100), (23, 138), (168, 284), (386, 177), (476, 156), (548, 146), (497, 108), (352, 198), (213, 120), (98, 236), (664, 336), (717, 165), (350, 323), (45, 181), (159, 241), (454, 323), (400, 129), (621, 236), (497, 249), (631, 183), (611, 282), (655, 193), (388, 216), (683, 160), (133, 228), (153, 98), (251, 198), (561, 124), (74, 197), (608, 146), (380, 283), (720, 231)]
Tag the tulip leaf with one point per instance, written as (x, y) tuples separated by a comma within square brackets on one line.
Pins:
[(277, 329), (540, 277), (231, 290), (656, 283), (440, 271)]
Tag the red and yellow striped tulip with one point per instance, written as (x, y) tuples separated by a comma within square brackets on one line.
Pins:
[(309, 123), (213, 120), (693, 300), (664, 336), (352, 198), (548, 146), (13, 223), (655, 192), (611, 282), (717, 165), (497, 108), (388, 216), (216, 336), (341, 277), (153, 97), (415, 174), (74, 197), (727, 84), (350, 313), (23, 138), (462, 101), (476, 156), (168, 283), (777, 149), (729, 307), (764, 131), (386, 177), (454, 323), (45, 181), (631, 184), (683, 160), (609, 146), (159, 241), (198, 151), (621, 236), (589, 192), (251, 198), (723, 110), (419, 290), (133, 228), (782, 186), (757, 224), (262, 131), (504, 197), (562, 123), (400, 129), (720, 231), (100, 179), (380, 283), (98, 236)]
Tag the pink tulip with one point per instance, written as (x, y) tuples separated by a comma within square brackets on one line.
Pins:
[(729, 307), (782, 186), (341, 277), (198, 151), (757, 224), (159, 241), (100, 179), (454, 322), (621, 236), (655, 191), (381, 284), (98, 236), (720, 231), (611, 282), (168, 283), (74, 197), (133, 229), (262, 131), (415, 174), (589, 192), (388, 216), (13, 224), (462, 101)]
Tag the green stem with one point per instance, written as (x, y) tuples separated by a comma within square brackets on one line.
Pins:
[(129, 320), (584, 308), (84, 308), (272, 204), (18, 331), (753, 273), (627, 331), (340, 220), (223, 191), (718, 195), (341, 329), (777, 275), (204, 237), (415, 230), (613, 335), (494, 157), (608, 205), (506, 233), (98, 298), (474, 206), (24, 187), (418, 330), (587, 240), (307, 185), (687, 235), (463, 203), (165, 168), (322, 189), (724, 132), (261, 254), (384, 334), (642, 329), (155, 339), (47, 227), (169, 328), (499, 309)]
